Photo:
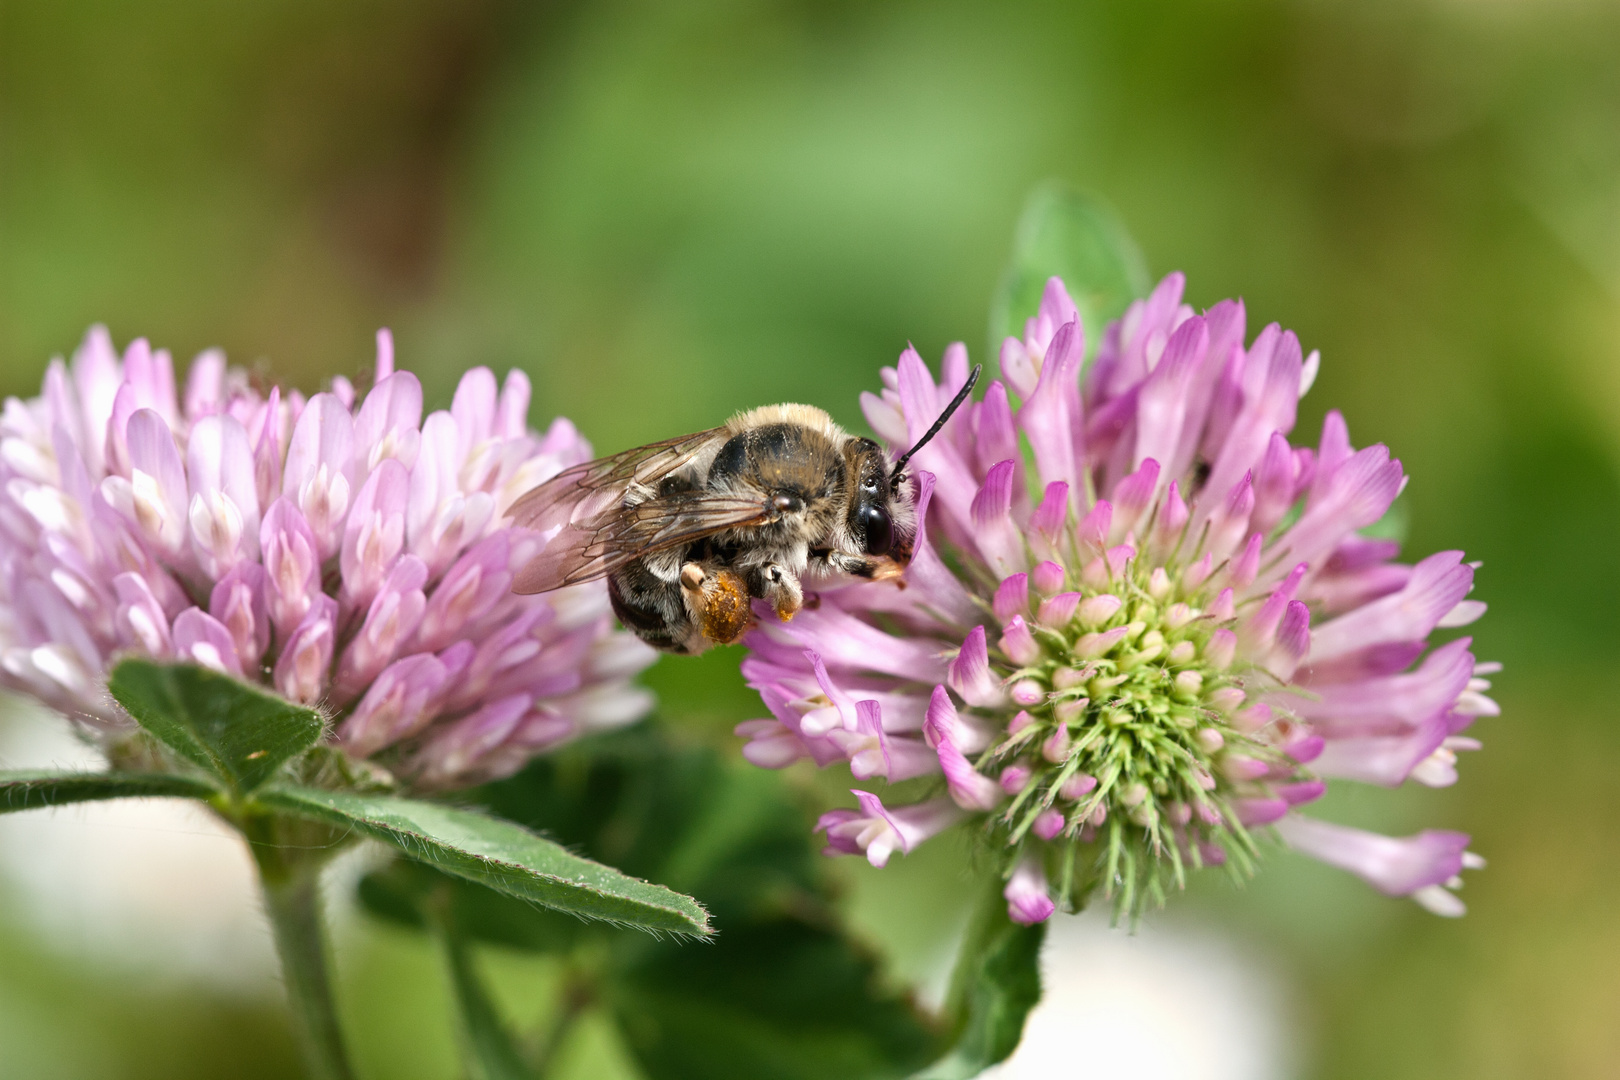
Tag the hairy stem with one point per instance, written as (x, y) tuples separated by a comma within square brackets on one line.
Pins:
[(292, 900)]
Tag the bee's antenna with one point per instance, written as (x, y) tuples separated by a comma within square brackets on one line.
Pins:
[(895, 475)]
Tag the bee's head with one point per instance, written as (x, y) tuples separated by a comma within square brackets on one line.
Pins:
[(883, 514), (882, 511)]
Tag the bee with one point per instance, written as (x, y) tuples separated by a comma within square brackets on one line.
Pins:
[(689, 531)]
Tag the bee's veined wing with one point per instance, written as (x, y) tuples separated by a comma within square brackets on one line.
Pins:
[(582, 493), (592, 533), (587, 550)]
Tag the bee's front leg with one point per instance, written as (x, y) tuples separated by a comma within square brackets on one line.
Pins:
[(871, 567), (779, 586)]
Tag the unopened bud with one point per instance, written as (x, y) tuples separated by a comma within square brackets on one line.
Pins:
[(1028, 692), (1180, 615), (1242, 767), (1221, 650), (1098, 643), (1210, 740), (1068, 712), (1049, 824), (1066, 678), (1056, 747), (1014, 778), (1048, 578), (1077, 787), (1096, 610)]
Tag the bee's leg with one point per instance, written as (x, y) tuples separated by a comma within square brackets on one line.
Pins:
[(871, 567), (654, 610), (717, 599), (778, 585)]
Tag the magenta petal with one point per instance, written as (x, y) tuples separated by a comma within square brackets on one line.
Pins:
[(1096, 526), (1027, 900), (400, 703), (1386, 760), (140, 618), (1270, 387), (970, 674), (1050, 515), (1436, 585), (203, 639), (1356, 495), (238, 603), (388, 423), (375, 533), (292, 565), (1161, 409), (1397, 867), (223, 510), (1012, 597), (882, 830), (152, 452), (1049, 823), (1274, 483), (1252, 812), (772, 745), (390, 621), (998, 539), (306, 657), (1049, 578), (1018, 644), (1051, 415), (458, 748), (474, 409), (1132, 498), (319, 473), (1305, 791), (997, 434)]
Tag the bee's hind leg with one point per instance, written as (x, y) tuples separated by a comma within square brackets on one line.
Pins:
[(717, 598)]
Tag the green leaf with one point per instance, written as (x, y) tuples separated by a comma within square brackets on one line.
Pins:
[(1070, 235), (996, 983), (780, 991), (402, 890), (30, 790), (499, 854), (235, 731), (775, 997)]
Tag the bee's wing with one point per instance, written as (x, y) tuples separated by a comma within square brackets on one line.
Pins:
[(587, 550), (594, 533), (582, 493)]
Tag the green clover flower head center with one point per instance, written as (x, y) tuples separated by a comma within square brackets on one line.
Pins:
[(1137, 746)]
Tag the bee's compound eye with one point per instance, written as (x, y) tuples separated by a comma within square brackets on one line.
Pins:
[(877, 529)]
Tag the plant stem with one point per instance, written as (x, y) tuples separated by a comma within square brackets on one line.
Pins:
[(487, 1046), (292, 900), (574, 997)]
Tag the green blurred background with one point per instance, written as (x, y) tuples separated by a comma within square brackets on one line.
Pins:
[(665, 212)]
